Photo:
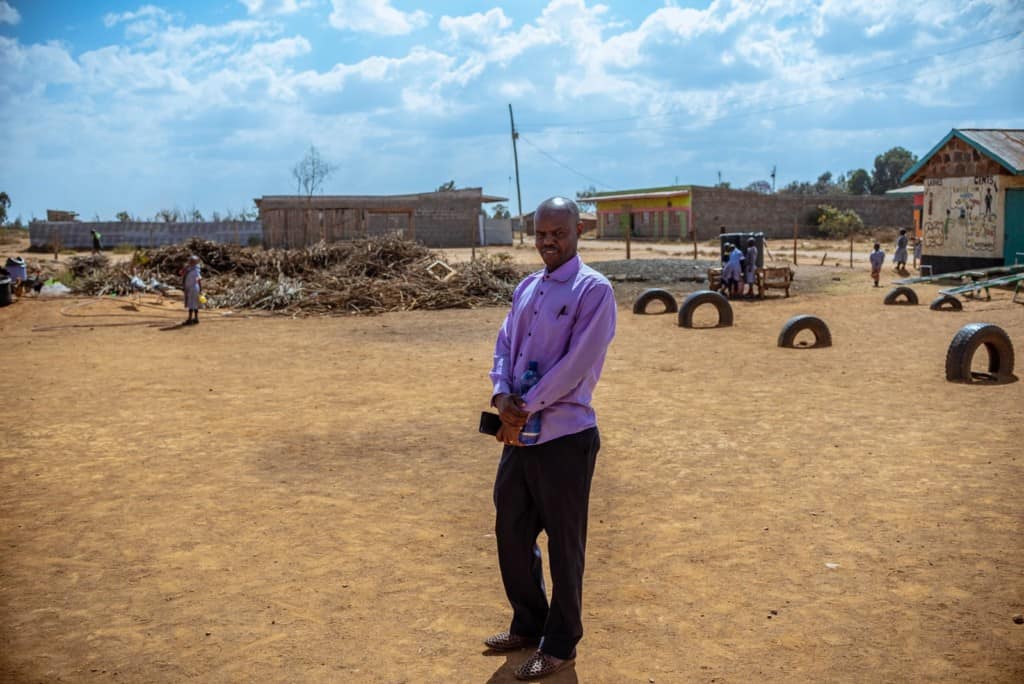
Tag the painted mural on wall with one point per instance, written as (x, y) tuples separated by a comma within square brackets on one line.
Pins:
[(962, 217)]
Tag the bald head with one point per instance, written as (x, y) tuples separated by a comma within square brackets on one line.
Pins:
[(557, 229), (559, 205)]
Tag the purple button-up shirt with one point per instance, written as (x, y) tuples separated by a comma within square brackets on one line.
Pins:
[(564, 321)]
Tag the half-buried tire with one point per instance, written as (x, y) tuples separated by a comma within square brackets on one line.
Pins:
[(655, 295), (895, 294), (700, 298), (946, 303), (967, 341), (796, 325)]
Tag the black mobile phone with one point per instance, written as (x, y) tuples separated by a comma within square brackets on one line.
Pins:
[(489, 423)]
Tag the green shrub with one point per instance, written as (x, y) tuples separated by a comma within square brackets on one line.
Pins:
[(838, 223), (255, 241)]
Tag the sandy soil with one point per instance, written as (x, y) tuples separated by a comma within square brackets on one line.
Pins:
[(276, 500)]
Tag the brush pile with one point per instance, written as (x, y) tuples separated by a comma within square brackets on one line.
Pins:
[(371, 275)]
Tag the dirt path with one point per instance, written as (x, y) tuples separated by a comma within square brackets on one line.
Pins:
[(282, 500)]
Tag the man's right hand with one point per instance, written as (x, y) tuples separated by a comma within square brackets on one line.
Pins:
[(510, 409)]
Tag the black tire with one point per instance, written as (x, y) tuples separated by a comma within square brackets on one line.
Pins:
[(655, 295), (967, 341), (794, 326), (705, 297), (902, 291), (946, 303)]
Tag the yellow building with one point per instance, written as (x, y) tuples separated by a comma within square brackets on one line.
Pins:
[(660, 213)]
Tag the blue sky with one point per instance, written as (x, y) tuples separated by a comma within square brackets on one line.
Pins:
[(111, 106)]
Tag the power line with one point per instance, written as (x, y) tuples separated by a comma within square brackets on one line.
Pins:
[(564, 166), (782, 107), (678, 111), (735, 115)]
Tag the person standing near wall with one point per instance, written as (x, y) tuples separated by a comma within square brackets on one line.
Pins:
[(899, 258), (97, 245), (751, 266), (561, 322)]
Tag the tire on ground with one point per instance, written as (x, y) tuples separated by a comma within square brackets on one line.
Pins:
[(794, 326), (946, 303), (655, 295), (902, 291), (967, 341), (705, 297)]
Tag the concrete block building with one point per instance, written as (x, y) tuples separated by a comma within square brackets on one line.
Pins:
[(451, 218)]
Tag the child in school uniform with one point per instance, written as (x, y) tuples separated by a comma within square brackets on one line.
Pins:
[(732, 272), (876, 257), (750, 267), (193, 285)]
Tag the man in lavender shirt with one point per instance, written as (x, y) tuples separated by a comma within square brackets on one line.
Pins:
[(562, 318)]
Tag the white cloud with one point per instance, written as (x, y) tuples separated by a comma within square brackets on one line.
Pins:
[(516, 89), (146, 12), (476, 28), (282, 7), (375, 16), (8, 15)]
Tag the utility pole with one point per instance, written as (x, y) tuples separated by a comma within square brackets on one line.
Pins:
[(773, 179), (515, 156)]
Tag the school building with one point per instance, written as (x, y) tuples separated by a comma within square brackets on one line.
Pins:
[(688, 212), (973, 200)]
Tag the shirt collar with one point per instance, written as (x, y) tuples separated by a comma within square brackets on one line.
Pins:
[(566, 271)]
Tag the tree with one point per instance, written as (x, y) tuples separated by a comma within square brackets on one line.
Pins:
[(889, 167), (838, 223), (858, 182), (761, 186), (5, 201), (446, 187), (123, 217), (501, 212), (170, 215), (311, 172), (797, 188), (582, 198), (195, 216)]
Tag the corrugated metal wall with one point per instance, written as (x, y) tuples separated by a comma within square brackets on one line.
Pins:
[(77, 234)]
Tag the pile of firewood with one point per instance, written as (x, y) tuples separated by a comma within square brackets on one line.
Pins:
[(371, 275)]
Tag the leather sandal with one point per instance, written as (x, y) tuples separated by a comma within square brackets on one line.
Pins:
[(541, 664), (506, 641)]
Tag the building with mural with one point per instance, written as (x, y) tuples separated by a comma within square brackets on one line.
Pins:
[(973, 203), (687, 212)]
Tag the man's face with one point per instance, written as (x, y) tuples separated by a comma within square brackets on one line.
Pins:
[(555, 237)]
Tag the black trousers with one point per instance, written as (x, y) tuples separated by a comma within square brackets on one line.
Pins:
[(545, 487)]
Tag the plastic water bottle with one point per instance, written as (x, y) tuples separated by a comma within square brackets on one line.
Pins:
[(531, 431)]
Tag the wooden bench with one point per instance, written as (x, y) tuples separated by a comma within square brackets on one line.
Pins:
[(774, 277), (771, 277)]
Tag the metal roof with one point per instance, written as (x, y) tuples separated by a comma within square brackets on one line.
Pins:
[(629, 195), (1003, 145), (906, 190)]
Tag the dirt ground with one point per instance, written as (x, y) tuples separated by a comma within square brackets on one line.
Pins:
[(277, 500)]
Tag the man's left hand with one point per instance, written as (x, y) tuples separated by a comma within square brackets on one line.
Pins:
[(508, 434)]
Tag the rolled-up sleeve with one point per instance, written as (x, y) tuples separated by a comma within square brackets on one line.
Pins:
[(592, 331)]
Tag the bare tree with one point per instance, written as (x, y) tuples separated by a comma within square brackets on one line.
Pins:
[(311, 172)]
